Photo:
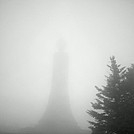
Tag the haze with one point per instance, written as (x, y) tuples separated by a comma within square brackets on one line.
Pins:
[(29, 31)]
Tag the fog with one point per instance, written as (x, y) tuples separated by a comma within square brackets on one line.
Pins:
[(29, 33)]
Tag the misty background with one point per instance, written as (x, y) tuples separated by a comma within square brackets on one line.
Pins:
[(29, 32)]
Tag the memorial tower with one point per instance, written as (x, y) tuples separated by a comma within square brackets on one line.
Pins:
[(58, 117)]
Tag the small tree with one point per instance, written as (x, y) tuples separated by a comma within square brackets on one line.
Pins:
[(107, 106)]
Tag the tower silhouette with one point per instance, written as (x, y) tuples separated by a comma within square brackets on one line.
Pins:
[(58, 117)]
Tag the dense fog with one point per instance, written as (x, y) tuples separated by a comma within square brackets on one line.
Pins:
[(29, 33)]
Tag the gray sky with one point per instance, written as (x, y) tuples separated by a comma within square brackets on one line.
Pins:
[(29, 31)]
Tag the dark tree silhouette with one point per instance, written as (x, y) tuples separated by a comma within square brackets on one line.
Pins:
[(127, 103), (107, 108)]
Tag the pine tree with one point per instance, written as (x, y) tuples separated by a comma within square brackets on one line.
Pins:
[(127, 102), (106, 109)]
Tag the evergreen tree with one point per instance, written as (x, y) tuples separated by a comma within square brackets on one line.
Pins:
[(106, 109), (127, 103)]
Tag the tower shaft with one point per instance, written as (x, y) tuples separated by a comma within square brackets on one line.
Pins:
[(58, 117)]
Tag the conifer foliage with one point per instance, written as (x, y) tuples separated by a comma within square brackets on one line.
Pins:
[(113, 110), (127, 107)]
